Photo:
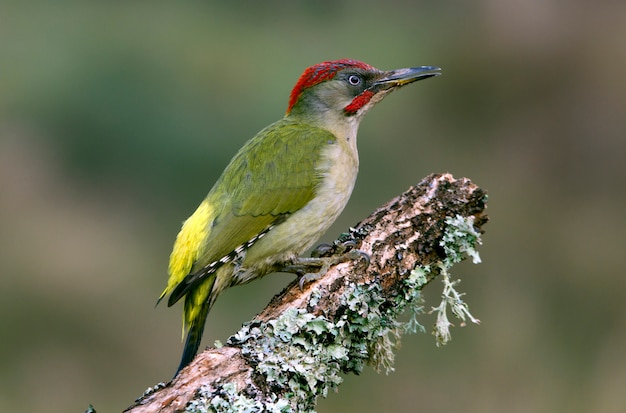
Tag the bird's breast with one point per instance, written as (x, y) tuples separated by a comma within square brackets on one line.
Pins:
[(337, 168)]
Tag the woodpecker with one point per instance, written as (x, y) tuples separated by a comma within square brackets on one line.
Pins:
[(281, 191)]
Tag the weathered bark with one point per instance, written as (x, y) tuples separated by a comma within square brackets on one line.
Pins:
[(400, 236)]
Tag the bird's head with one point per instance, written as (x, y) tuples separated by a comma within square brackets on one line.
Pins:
[(344, 90)]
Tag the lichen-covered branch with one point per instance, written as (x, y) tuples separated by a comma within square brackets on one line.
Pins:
[(299, 347)]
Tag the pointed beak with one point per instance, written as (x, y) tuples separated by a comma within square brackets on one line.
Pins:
[(401, 77)]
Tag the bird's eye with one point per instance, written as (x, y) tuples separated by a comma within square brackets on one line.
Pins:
[(354, 80)]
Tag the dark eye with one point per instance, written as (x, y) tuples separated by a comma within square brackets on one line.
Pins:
[(354, 80)]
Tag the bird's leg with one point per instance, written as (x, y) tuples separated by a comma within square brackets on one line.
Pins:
[(311, 269)]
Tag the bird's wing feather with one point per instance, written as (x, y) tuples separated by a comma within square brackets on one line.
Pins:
[(273, 175)]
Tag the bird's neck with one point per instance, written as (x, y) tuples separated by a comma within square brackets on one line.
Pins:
[(345, 128)]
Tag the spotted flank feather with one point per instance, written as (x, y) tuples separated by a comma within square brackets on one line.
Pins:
[(195, 278)]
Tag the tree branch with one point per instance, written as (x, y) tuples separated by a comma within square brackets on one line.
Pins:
[(298, 347)]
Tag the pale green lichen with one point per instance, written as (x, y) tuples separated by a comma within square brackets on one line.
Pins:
[(153, 389), (450, 298), (301, 356), (459, 240), (412, 296), (226, 398)]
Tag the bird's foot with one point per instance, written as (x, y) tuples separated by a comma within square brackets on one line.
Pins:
[(312, 269)]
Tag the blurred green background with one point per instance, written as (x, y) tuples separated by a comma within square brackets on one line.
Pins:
[(117, 117)]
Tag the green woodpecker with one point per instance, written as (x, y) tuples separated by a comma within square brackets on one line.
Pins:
[(281, 191)]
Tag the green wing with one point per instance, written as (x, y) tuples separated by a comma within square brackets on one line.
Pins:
[(273, 175), (276, 172)]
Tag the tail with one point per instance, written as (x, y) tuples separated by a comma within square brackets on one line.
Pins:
[(194, 336), (198, 302)]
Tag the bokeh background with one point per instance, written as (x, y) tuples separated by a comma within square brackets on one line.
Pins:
[(116, 118)]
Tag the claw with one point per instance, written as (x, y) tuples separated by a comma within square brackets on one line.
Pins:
[(348, 245), (359, 255), (325, 250), (312, 269), (322, 250), (365, 256), (309, 277)]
